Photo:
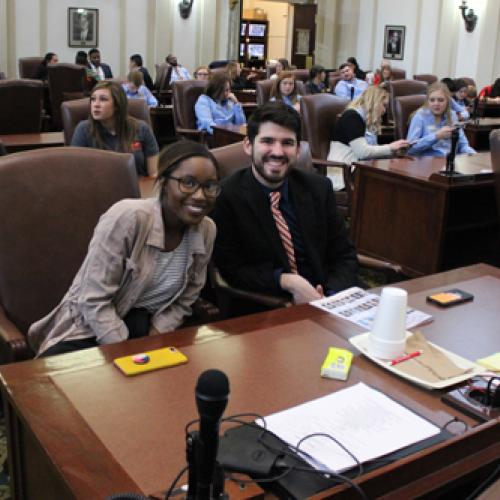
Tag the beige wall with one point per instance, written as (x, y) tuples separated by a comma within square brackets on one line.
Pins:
[(152, 28)]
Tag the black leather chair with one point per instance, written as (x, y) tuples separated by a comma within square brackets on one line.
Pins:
[(66, 82), (404, 107), (426, 77), (51, 201), (185, 93), (21, 104), (398, 88), (28, 66)]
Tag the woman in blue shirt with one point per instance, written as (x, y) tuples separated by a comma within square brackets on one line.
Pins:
[(218, 105), (285, 90), (432, 124), (135, 89)]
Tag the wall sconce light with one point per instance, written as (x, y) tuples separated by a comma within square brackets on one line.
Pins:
[(470, 18), (185, 7)]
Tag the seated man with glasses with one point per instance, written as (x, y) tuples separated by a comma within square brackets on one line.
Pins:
[(278, 228), (146, 263)]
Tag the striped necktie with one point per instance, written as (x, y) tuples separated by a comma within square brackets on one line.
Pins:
[(283, 229)]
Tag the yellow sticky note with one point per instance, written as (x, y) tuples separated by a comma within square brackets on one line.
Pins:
[(337, 363), (491, 362)]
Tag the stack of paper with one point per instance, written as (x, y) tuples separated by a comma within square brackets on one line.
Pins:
[(360, 307), (368, 423)]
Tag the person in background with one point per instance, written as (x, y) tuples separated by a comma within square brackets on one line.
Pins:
[(358, 72), (278, 228), (356, 133), (460, 103), (460, 109), (202, 73), (218, 105), (41, 72), (81, 58), (135, 89), (384, 76), (432, 125), (281, 65), (100, 69), (316, 82), (349, 86), (491, 93), (178, 72), (238, 80), (284, 89), (146, 263), (135, 64), (110, 127)]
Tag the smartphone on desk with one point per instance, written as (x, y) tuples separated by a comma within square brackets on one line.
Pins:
[(449, 298), (150, 360)]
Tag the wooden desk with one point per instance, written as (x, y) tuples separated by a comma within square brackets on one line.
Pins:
[(77, 428), (228, 134), (402, 213), (478, 132), (21, 142), (491, 110)]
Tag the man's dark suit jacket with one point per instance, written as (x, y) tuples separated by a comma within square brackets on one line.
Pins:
[(248, 248), (106, 70)]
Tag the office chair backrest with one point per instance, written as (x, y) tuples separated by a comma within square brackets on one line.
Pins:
[(75, 111), (263, 91), (21, 104), (163, 74), (425, 77), (319, 114), (66, 81), (398, 73), (404, 106), (51, 201), (185, 93), (397, 88), (468, 80), (28, 66), (301, 74)]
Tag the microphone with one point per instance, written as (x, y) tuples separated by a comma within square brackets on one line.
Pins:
[(212, 390), (352, 93)]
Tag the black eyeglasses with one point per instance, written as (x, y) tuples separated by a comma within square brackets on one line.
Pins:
[(189, 185)]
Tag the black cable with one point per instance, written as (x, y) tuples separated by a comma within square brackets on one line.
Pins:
[(452, 421), (174, 482), (485, 483), (336, 441), (312, 470)]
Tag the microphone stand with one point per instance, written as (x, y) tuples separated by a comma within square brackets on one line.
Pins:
[(450, 158), (192, 447)]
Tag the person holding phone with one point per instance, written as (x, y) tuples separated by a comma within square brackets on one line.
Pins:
[(146, 263), (432, 125), (356, 131)]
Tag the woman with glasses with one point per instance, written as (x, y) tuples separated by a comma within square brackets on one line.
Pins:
[(110, 127), (218, 105), (202, 73), (146, 263)]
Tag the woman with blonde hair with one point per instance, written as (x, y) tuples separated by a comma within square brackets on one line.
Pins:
[(432, 125), (284, 89), (356, 132), (238, 80)]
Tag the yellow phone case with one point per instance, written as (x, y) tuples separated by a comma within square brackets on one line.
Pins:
[(159, 358)]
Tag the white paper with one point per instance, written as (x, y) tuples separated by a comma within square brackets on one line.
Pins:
[(360, 307), (368, 423)]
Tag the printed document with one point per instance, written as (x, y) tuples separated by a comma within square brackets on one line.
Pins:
[(360, 307), (367, 422)]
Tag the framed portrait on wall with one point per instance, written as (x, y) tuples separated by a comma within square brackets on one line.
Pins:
[(394, 42), (83, 27)]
